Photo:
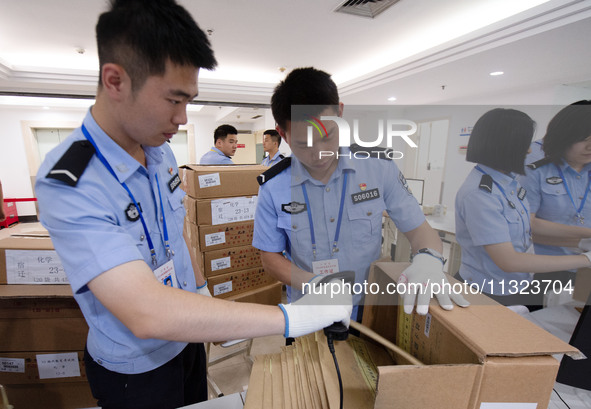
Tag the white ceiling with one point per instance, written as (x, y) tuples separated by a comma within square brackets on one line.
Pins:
[(420, 51)]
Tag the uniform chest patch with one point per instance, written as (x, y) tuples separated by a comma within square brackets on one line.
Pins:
[(521, 193), (554, 180), (174, 183), (365, 196), (293, 207), (132, 213)]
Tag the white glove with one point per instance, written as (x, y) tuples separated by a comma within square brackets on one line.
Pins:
[(425, 275), (588, 255), (313, 311), (585, 244), (204, 290)]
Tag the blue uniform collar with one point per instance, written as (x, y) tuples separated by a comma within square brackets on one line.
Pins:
[(299, 174), (122, 163), (499, 177), (565, 167), (213, 148)]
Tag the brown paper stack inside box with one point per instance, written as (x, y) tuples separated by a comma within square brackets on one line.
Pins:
[(303, 375), (476, 357), (220, 204)]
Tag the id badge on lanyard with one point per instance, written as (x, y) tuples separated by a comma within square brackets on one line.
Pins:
[(323, 267), (166, 275)]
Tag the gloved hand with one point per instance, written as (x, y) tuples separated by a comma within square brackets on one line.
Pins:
[(588, 255), (585, 244), (318, 309), (204, 290), (425, 271)]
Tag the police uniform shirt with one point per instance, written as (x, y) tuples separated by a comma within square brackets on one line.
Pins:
[(549, 200), (373, 185), (484, 216), (215, 157), (95, 227), (268, 161)]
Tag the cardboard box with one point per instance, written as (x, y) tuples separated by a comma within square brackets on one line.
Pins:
[(223, 261), (206, 181), (478, 357), (63, 395), (30, 260), (227, 285), (207, 212), (582, 285), (225, 235), (40, 318), (18, 368), (269, 295)]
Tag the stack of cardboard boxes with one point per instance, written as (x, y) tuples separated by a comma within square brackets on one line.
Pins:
[(220, 203), (42, 330)]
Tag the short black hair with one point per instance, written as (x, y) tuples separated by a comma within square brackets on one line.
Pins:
[(142, 36), (570, 125), (500, 139), (274, 136), (303, 86), (222, 131)]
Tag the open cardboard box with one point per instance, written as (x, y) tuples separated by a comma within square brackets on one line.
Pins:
[(481, 357)]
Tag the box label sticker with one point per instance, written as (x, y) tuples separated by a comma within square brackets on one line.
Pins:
[(34, 267), (213, 179), (15, 365), (222, 288), (215, 238), (508, 405), (58, 365), (220, 263), (233, 209)]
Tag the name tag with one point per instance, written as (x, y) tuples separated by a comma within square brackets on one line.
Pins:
[(166, 275), (365, 196), (323, 267)]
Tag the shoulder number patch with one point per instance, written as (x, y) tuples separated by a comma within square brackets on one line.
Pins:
[(174, 183)]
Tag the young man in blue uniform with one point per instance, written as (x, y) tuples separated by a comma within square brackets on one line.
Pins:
[(225, 139), (325, 211), (271, 143), (109, 196)]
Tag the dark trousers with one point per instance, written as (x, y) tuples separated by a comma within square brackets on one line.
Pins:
[(181, 381)]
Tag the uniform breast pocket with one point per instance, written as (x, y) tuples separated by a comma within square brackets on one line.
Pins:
[(514, 223), (555, 201), (176, 209), (297, 228), (366, 221)]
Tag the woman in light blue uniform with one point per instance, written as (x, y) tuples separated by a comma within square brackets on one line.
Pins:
[(558, 184), (492, 214)]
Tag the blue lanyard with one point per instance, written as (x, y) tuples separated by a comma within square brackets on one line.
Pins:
[(148, 238), (512, 205), (578, 211), (337, 232)]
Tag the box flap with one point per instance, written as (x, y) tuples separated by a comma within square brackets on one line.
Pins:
[(489, 328), (35, 291), (224, 168), (432, 386), (26, 243)]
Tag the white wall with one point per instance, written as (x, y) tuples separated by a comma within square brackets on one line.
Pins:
[(14, 169)]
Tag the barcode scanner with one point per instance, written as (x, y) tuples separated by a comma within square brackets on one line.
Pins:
[(337, 331)]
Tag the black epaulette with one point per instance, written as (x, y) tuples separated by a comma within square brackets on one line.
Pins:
[(486, 183), (374, 152), (73, 163), (539, 163), (281, 157), (274, 171)]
